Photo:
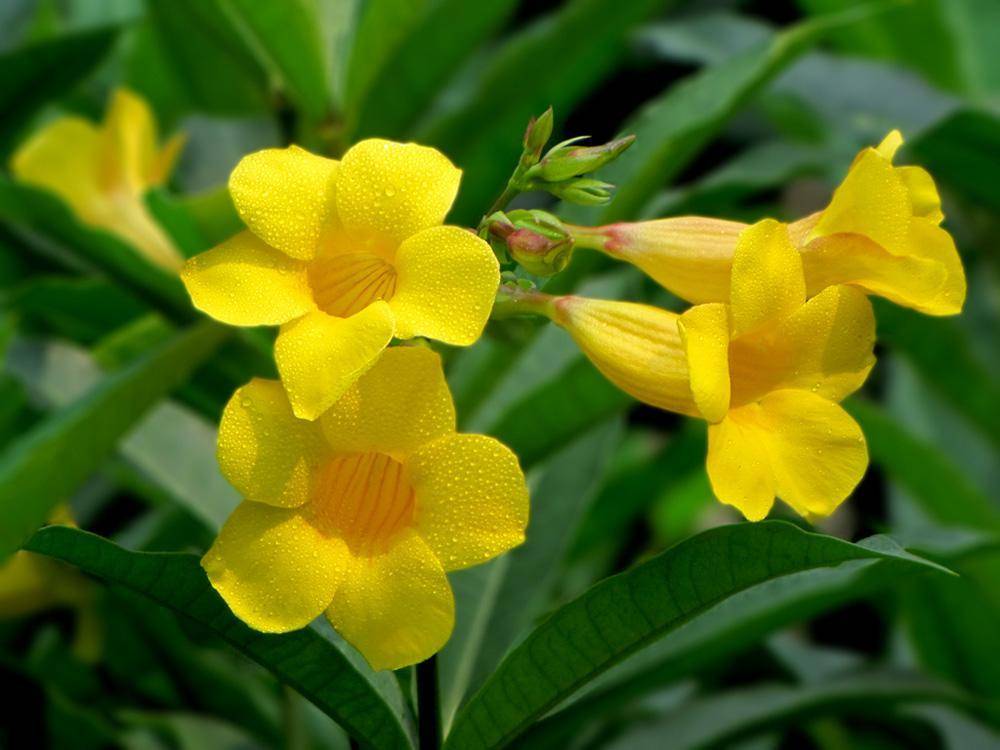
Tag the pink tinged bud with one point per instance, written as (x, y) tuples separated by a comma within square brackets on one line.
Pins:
[(538, 132)]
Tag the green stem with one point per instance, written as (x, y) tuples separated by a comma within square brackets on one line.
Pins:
[(428, 705), (512, 301)]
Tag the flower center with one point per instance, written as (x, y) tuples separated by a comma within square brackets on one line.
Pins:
[(364, 498), (346, 283)]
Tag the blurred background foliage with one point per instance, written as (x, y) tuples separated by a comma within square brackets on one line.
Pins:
[(108, 398)]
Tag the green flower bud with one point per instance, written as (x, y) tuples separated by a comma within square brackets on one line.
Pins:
[(537, 240), (583, 191), (567, 160), (537, 134)]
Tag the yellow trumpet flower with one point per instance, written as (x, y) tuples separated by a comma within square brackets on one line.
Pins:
[(880, 233), (103, 171), (361, 513), (766, 369), (344, 256)]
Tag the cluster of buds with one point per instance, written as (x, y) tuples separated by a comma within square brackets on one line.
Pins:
[(536, 240), (561, 171)]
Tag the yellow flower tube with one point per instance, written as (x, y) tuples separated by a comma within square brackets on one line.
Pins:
[(344, 256), (766, 370), (879, 233), (360, 514), (103, 171)]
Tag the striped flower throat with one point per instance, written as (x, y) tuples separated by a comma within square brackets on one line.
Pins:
[(364, 498)]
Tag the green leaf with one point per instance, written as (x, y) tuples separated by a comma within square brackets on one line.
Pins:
[(622, 614), (930, 477), (285, 37), (45, 223), (729, 628), (672, 129), (322, 669), (190, 54), (963, 152), (496, 602), (79, 438), (381, 25), (39, 73), (172, 447), (940, 351), (725, 718), (410, 78), (481, 125)]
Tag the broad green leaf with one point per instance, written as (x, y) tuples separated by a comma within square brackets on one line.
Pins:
[(171, 446), (953, 623), (497, 601), (730, 627), (190, 54), (630, 493), (44, 223), (624, 613), (40, 73), (379, 28), (725, 718), (80, 437), (672, 129), (939, 350), (927, 474), (79, 309), (321, 668), (286, 39), (553, 414), (410, 78), (963, 152), (480, 126)]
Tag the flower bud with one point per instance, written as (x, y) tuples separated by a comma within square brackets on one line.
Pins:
[(537, 134), (567, 160), (535, 239), (584, 191)]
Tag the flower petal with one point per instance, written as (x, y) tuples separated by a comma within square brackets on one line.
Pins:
[(705, 332), (871, 201), (130, 142), (320, 356), (273, 568), (395, 608), (401, 403), (636, 347), (245, 282), (794, 444), (393, 190), (924, 198), (446, 282), (818, 452), (472, 500), (264, 451), (767, 280), (64, 157), (824, 347), (738, 465), (286, 197)]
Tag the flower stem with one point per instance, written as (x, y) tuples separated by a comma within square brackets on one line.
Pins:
[(428, 705)]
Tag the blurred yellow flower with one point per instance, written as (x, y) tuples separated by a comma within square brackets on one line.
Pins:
[(344, 256), (880, 232), (361, 513), (103, 171), (766, 370), (31, 583)]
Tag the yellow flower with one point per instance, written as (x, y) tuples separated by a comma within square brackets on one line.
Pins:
[(103, 171), (361, 513), (766, 370), (31, 583), (345, 255), (880, 232)]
